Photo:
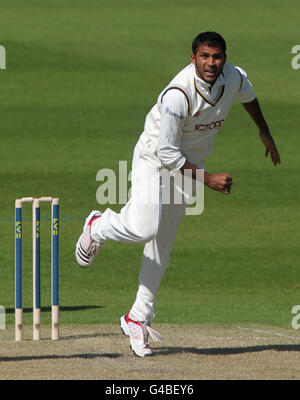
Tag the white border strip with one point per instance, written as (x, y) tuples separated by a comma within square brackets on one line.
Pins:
[(270, 333)]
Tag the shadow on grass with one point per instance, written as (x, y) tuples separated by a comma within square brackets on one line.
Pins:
[(61, 308), (87, 356), (165, 351), (88, 336)]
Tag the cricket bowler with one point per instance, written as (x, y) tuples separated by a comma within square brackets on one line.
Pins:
[(179, 134)]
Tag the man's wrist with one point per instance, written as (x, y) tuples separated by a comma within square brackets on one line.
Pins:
[(265, 132), (206, 178), (263, 127)]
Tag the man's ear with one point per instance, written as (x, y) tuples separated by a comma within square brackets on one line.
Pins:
[(193, 58)]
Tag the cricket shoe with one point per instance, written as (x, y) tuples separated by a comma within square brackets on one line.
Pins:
[(138, 333), (86, 247)]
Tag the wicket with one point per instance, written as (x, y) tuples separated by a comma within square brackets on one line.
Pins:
[(36, 266)]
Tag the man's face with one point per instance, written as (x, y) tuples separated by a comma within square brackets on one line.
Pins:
[(209, 62)]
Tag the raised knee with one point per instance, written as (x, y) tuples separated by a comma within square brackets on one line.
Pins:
[(147, 232)]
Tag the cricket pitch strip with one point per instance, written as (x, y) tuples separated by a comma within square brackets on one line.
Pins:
[(188, 352)]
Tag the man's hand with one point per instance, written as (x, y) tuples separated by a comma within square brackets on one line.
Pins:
[(268, 141), (221, 182)]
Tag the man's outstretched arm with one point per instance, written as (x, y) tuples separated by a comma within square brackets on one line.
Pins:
[(255, 113)]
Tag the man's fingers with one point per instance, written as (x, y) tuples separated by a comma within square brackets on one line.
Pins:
[(227, 185), (278, 161), (275, 158), (267, 152), (228, 182)]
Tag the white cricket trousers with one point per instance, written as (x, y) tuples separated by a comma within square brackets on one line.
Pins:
[(144, 219)]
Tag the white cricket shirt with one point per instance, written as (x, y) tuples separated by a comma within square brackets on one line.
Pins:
[(183, 123)]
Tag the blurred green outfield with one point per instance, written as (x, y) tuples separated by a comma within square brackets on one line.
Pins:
[(80, 78)]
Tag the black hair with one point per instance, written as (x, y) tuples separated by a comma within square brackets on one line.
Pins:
[(212, 39)]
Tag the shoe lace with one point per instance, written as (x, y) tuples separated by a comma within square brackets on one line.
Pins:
[(155, 336), (94, 248)]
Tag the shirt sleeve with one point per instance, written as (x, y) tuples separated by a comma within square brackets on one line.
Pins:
[(246, 92), (174, 110)]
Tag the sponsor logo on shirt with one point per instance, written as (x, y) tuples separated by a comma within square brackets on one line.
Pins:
[(173, 114), (210, 125)]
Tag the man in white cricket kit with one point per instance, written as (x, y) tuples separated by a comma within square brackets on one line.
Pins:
[(178, 135)]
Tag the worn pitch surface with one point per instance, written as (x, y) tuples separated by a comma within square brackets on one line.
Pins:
[(197, 352)]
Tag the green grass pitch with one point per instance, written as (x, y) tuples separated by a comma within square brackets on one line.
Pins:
[(80, 78)]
